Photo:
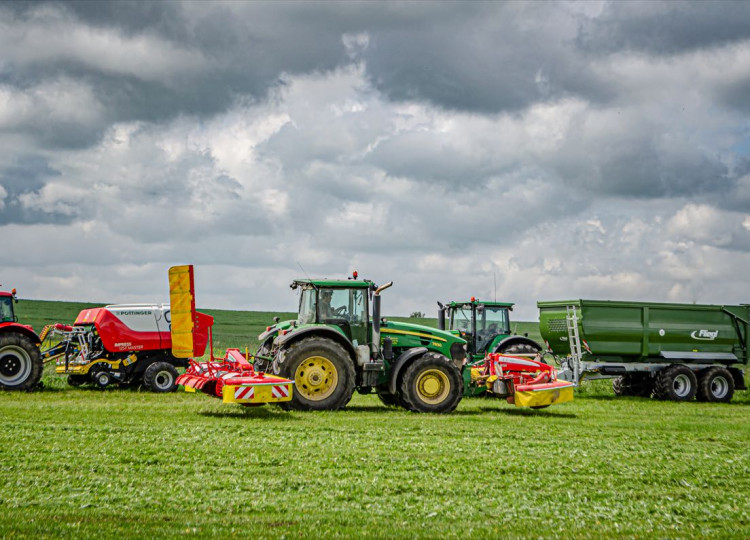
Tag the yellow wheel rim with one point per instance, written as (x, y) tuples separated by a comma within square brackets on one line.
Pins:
[(316, 378), (433, 386)]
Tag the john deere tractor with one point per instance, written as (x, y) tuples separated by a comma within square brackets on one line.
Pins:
[(486, 328), (339, 343)]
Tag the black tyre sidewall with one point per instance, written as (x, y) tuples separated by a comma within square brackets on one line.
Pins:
[(151, 374), (10, 338), (300, 351), (707, 378), (664, 389), (410, 396)]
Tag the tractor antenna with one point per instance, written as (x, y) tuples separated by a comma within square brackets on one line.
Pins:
[(306, 274), (494, 278)]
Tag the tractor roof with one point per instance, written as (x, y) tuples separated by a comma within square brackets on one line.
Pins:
[(3, 293), (476, 302), (334, 283)]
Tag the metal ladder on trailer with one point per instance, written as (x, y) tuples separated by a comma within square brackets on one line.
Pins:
[(574, 340)]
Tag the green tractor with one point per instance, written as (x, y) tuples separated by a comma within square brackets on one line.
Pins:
[(486, 328), (339, 343)]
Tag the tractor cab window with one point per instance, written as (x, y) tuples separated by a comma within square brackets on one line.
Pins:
[(461, 319), (6, 309), (307, 307), (346, 304), (491, 321)]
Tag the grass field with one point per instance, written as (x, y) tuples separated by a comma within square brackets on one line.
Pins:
[(87, 463)]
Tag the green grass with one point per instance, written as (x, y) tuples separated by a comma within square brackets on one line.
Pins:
[(88, 464)]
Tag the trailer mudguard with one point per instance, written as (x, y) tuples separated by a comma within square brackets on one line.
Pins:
[(400, 362)]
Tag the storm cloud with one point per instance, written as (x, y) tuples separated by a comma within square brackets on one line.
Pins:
[(557, 149)]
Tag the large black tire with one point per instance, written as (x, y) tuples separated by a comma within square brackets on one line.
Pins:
[(635, 384), (518, 348), (432, 383), (160, 377), (716, 385), (323, 374), (388, 399), (21, 363), (676, 383), (77, 380)]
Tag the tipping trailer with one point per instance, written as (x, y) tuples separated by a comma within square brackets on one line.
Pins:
[(673, 351)]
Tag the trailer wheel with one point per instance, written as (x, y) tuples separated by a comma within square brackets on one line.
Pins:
[(323, 374), (677, 383), (21, 363), (633, 385), (102, 379), (160, 377), (432, 384), (716, 385)]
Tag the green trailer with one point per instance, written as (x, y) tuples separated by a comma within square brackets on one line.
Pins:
[(673, 351)]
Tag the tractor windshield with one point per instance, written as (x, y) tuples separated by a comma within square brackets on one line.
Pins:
[(6, 309), (491, 321), (307, 305)]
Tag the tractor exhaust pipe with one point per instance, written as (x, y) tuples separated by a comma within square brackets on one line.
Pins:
[(441, 316), (376, 319)]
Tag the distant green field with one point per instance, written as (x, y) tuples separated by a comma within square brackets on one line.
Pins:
[(85, 463)]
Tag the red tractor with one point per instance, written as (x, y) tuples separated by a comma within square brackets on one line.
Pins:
[(20, 361)]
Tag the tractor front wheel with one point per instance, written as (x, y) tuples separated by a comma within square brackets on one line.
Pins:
[(323, 374), (21, 363), (160, 377), (431, 384)]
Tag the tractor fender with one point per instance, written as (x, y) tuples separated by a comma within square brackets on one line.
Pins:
[(514, 340), (403, 359), (323, 331), (20, 329)]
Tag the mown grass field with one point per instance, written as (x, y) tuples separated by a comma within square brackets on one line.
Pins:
[(85, 463)]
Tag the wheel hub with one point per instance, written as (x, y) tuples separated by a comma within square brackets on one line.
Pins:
[(681, 385), (719, 387), (316, 378), (163, 379), (15, 365), (433, 386)]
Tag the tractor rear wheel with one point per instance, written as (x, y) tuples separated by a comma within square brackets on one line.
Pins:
[(323, 374), (676, 382), (160, 377), (716, 385), (432, 384), (21, 363)]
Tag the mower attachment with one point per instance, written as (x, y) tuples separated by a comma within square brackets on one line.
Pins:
[(525, 382), (234, 380)]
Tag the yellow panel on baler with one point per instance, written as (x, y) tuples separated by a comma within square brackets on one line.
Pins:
[(182, 307), (543, 398)]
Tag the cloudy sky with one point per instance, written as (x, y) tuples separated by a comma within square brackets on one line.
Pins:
[(540, 150)]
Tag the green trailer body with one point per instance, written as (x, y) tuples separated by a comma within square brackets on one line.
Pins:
[(645, 342)]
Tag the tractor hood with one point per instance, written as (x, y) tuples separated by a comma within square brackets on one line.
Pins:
[(415, 335), (275, 329)]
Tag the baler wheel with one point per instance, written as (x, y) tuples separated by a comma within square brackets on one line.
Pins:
[(676, 383), (716, 385), (77, 380), (160, 377), (323, 374), (432, 384), (21, 363)]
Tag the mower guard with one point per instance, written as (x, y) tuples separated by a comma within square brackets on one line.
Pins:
[(543, 394), (234, 380)]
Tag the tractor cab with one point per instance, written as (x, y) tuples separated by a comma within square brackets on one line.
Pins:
[(482, 324), (341, 303), (7, 315)]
